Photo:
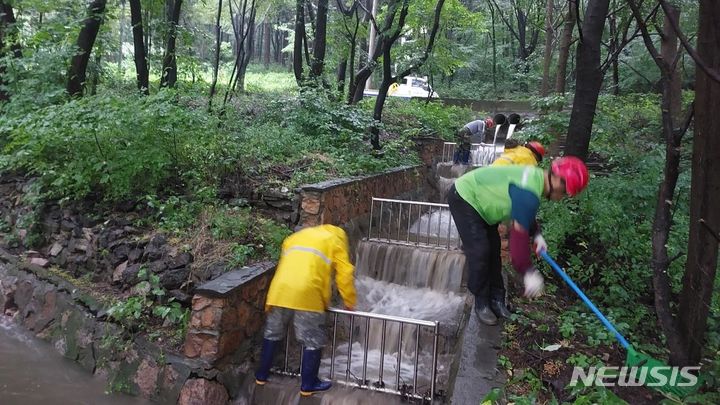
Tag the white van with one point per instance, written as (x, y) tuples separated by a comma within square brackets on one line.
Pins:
[(412, 86)]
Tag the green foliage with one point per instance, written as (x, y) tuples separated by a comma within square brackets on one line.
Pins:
[(147, 302), (253, 236), (544, 105), (428, 118), (115, 148), (603, 237)]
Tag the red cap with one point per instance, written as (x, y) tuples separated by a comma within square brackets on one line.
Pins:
[(537, 148), (573, 171), (489, 123)]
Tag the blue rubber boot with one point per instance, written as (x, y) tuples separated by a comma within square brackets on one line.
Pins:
[(266, 357), (309, 373)]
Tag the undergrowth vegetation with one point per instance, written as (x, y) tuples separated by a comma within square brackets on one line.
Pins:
[(603, 240)]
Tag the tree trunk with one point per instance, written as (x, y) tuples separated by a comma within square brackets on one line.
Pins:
[(216, 59), (699, 278), (521, 18), (662, 220), (372, 40), (121, 23), (564, 48), (148, 37), (613, 48), (249, 48), (341, 75), (84, 45), (547, 54), (588, 81), (8, 31), (299, 40), (141, 66), (95, 71), (669, 52), (169, 66), (267, 35), (386, 44), (319, 44)]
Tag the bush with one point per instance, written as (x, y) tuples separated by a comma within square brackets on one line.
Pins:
[(116, 148), (604, 236), (422, 118)]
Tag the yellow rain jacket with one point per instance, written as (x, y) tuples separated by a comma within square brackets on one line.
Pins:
[(518, 155), (303, 276)]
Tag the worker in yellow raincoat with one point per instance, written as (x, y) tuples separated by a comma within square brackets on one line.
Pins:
[(530, 154), (300, 291)]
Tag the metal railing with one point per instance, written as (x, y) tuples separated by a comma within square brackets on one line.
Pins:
[(412, 223), (481, 154), (377, 383)]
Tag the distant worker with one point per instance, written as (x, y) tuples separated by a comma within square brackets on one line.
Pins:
[(481, 199), (531, 154), (300, 291), (464, 135)]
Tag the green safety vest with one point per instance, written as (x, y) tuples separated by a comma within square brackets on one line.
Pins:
[(487, 189)]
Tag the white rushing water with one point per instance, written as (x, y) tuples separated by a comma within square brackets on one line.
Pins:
[(411, 266), (436, 224), (392, 299)]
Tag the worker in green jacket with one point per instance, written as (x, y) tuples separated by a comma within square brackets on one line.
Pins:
[(481, 199)]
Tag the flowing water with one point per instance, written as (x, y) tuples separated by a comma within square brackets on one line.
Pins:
[(392, 299), (32, 372), (411, 266)]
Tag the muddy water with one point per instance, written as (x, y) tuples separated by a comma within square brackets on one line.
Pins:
[(32, 372)]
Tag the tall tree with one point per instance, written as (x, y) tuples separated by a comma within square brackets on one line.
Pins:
[(564, 48), (387, 78), (519, 27), (216, 58), (141, 65), (612, 19), (547, 54), (300, 41), (668, 51), (350, 32), (267, 35), (663, 209), (493, 41), (84, 44), (8, 33), (385, 33), (588, 80), (319, 40), (243, 22), (702, 261), (168, 76), (121, 23), (685, 333)]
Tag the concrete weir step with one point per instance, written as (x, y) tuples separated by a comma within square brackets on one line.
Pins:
[(282, 390)]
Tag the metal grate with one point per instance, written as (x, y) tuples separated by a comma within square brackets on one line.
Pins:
[(377, 382), (412, 223)]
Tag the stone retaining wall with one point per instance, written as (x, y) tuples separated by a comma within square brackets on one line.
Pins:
[(227, 312), (339, 201), (77, 328)]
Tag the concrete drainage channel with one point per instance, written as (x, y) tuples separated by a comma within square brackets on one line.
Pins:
[(412, 338), (404, 337)]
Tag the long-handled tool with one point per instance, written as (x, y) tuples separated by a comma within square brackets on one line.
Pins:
[(653, 369)]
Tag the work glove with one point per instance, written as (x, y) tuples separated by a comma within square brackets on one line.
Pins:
[(539, 244), (534, 283)]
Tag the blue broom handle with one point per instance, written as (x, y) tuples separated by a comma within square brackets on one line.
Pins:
[(584, 297)]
